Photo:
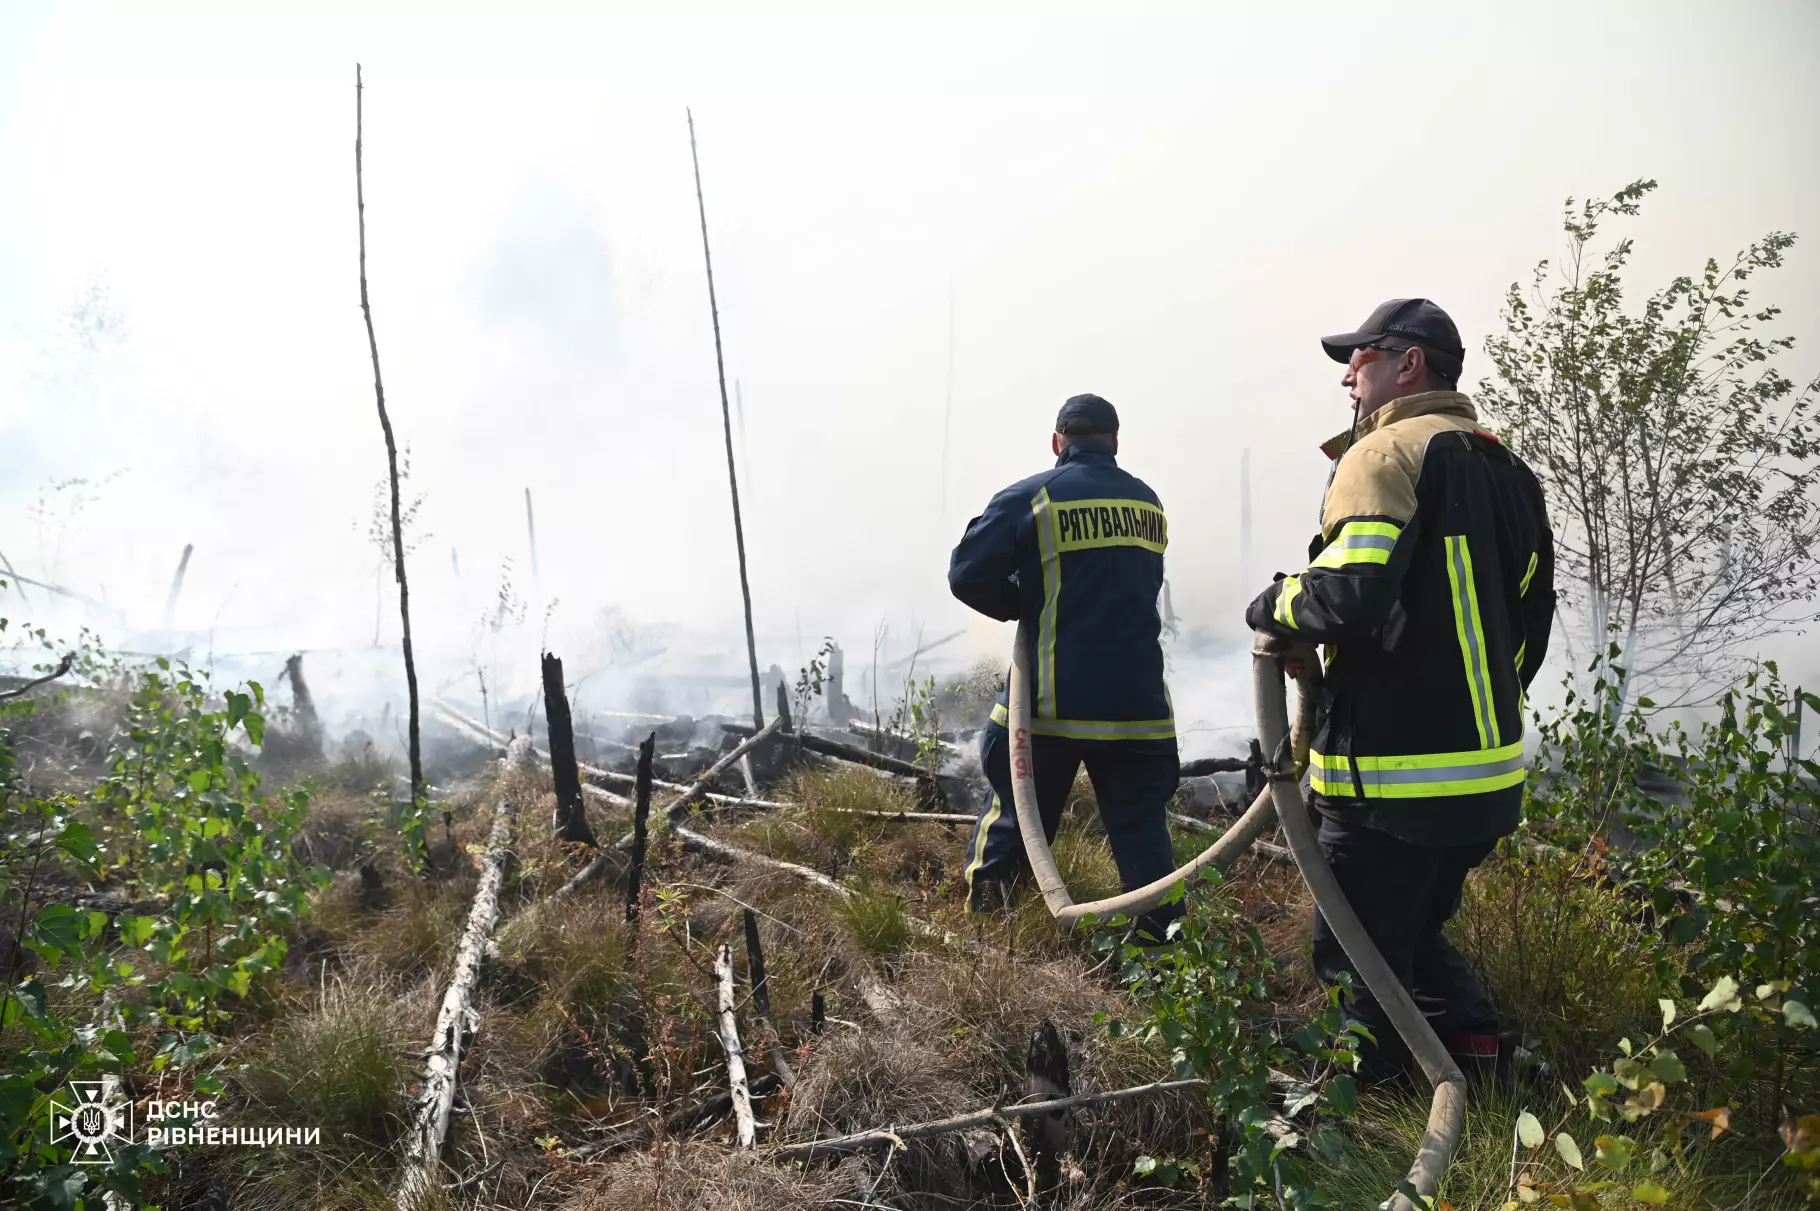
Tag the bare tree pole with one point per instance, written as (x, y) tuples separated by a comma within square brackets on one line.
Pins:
[(531, 531), (726, 418), (391, 453)]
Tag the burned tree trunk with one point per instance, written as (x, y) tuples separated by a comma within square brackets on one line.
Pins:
[(308, 725), (761, 1000), (1046, 1079), (571, 822), (641, 815)]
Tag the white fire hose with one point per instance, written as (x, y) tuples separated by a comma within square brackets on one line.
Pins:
[(1281, 799)]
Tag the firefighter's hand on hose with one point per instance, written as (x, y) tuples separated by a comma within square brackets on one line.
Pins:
[(1295, 654)]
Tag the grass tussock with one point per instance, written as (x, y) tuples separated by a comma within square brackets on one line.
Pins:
[(341, 1065), (876, 920)]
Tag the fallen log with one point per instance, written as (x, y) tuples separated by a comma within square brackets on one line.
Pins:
[(853, 753), (680, 804), (436, 1098), (734, 853), (672, 811), (1213, 765), (991, 1116), (487, 736), (736, 1059)]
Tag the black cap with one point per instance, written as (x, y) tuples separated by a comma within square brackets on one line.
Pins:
[(1086, 414), (1417, 321)]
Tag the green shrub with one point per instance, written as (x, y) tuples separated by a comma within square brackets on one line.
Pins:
[(1565, 956)]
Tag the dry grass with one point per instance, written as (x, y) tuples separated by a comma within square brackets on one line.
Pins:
[(694, 1176)]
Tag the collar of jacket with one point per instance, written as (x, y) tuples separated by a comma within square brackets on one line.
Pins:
[(1454, 403), (1077, 450)]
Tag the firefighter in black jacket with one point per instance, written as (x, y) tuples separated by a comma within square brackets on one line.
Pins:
[(1077, 552), (1431, 586)]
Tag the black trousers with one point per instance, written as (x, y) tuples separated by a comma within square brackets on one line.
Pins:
[(1404, 895), (1133, 780)]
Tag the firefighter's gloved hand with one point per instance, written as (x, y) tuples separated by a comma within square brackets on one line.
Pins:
[(1296, 654)]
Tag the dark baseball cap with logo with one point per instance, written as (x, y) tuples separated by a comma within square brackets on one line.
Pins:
[(1411, 322), (1084, 414)]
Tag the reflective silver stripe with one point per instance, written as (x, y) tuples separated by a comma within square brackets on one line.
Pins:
[(1445, 773), (1092, 729)]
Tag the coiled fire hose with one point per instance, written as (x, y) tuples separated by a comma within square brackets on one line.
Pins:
[(1280, 800)]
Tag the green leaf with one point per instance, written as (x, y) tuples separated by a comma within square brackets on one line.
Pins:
[(27, 1000), (1724, 995), (1614, 1151), (1798, 1014), (1144, 1166), (1529, 1130), (199, 780), (1668, 1068), (56, 932), (137, 931), (1701, 1035), (1652, 1193), (1668, 1012), (1343, 1094), (78, 841), (1602, 1083), (1570, 1151)]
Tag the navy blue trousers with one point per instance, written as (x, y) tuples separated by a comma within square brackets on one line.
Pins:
[(1404, 895), (1133, 781)]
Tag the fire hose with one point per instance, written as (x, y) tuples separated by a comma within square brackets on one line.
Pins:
[(1280, 800)]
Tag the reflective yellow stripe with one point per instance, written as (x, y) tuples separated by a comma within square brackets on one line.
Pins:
[(1044, 512), (988, 818), (1084, 524), (1472, 638), (1521, 648), (1419, 775), (1285, 613), (1359, 542), (1093, 729), (1523, 586)]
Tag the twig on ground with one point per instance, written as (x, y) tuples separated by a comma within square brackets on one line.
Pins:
[(988, 1117)]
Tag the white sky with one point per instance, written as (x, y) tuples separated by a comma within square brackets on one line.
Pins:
[(1165, 204)]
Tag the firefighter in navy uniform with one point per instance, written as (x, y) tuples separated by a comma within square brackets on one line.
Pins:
[(1431, 585), (1077, 552)]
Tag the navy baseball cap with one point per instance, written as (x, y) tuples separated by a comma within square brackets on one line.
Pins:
[(1087, 414), (1415, 321)]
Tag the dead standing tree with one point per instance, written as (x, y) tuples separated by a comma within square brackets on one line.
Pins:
[(391, 454), (726, 418), (571, 821)]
